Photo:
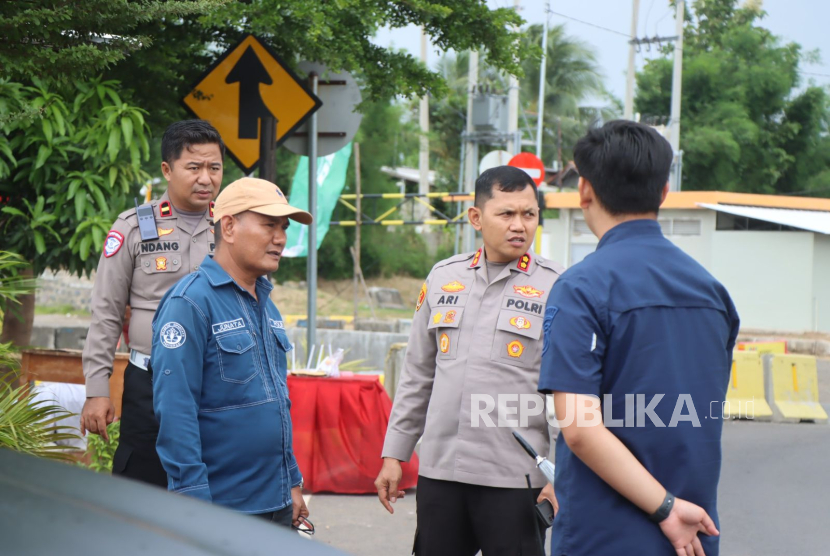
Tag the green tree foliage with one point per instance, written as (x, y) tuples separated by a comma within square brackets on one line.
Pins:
[(747, 122), (65, 41), (337, 33), (67, 170)]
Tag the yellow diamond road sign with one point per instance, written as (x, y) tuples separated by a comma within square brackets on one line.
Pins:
[(247, 83)]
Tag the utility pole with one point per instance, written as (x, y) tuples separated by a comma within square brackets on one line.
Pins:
[(677, 79), (423, 158), (514, 145), (471, 149), (542, 72), (628, 113)]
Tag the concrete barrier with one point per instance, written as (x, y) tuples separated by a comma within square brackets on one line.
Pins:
[(792, 388), (745, 395)]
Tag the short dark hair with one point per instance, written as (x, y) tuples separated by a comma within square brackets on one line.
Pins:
[(627, 164), (505, 178), (181, 135)]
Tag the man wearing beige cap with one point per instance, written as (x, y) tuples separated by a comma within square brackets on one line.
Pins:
[(219, 366)]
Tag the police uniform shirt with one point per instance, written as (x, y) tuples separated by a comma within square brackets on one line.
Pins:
[(639, 317), (473, 340), (138, 273)]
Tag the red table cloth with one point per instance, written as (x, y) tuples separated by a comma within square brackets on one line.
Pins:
[(339, 425)]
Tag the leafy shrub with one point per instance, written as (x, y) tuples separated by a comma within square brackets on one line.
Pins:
[(100, 452)]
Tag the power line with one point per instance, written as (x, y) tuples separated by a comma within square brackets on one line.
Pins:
[(813, 73), (626, 35)]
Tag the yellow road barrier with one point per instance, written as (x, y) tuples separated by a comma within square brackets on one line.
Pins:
[(745, 397), (779, 346), (792, 388)]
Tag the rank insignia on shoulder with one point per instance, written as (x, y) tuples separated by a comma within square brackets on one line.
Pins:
[(453, 287), (210, 209), (515, 348), (165, 210), (164, 231), (113, 243), (524, 262), (476, 258), (437, 318), (445, 343), (161, 263), (450, 318), (520, 322), (421, 297), (528, 291)]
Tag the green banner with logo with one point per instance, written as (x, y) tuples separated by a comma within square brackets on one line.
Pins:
[(331, 178)]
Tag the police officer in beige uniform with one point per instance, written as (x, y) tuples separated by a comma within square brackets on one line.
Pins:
[(139, 264), (476, 336)]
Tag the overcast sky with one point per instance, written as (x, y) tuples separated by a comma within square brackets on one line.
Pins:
[(801, 21)]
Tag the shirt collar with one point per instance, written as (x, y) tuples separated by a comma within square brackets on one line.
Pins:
[(522, 264), (631, 229), (165, 198), (217, 276)]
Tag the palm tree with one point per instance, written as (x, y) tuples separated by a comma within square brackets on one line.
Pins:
[(575, 95)]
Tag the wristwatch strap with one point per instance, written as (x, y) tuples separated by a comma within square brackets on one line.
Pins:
[(664, 510)]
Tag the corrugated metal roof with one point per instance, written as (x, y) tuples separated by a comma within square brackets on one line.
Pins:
[(811, 220)]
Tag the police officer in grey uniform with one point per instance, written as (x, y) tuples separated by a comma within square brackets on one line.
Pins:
[(147, 251), (473, 355)]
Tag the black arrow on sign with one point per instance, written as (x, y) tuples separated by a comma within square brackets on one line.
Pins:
[(249, 73)]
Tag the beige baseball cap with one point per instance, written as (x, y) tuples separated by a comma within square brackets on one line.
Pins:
[(256, 195)]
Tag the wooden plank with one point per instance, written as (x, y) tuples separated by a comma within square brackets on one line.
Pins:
[(64, 365)]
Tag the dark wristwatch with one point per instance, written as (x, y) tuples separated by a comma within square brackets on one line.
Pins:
[(664, 510)]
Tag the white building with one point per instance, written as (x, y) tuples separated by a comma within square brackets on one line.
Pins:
[(771, 252)]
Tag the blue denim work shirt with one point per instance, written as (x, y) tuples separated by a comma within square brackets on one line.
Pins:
[(220, 393)]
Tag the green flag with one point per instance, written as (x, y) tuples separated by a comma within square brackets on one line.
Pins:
[(331, 177)]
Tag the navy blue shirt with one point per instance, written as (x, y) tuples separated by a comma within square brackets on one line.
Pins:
[(220, 393), (638, 319)]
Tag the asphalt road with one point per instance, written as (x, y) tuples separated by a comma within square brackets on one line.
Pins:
[(774, 496)]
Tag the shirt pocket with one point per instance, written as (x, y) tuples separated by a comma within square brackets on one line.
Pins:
[(516, 341), (282, 339), (446, 321), (236, 357)]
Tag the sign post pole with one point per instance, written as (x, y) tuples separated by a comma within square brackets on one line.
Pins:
[(312, 229), (268, 149)]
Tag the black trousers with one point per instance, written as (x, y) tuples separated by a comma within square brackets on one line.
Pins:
[(136, 456), (458, 519), (282, 517)]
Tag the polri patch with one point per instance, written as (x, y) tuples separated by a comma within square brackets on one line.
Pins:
[(172, 335), (421, 297), (227, 326), (445, 343), (113, 243), (164, 209), (515, 348)]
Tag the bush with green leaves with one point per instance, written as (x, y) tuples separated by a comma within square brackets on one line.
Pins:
[(101, 451), (70, 161), (26, 425)]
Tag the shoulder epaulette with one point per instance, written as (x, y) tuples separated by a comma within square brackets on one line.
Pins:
[(455, 259)]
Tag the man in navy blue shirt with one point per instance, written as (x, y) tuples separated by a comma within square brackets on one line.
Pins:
[(219, 366), (638, 348)]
